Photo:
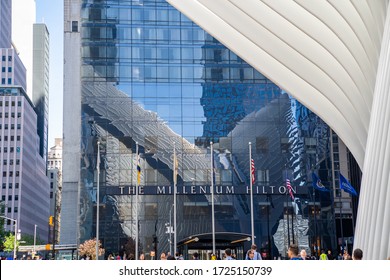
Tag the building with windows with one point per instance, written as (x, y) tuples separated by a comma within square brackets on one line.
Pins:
[(54, 173), (141, 74), (40, 90), (24, 185)]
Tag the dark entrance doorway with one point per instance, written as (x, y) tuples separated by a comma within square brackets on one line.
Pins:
[(239, 243)]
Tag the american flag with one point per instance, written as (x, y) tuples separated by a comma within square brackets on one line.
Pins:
[(253, 177), (289, 188)]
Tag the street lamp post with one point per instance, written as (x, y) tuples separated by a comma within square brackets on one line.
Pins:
[(97, 200), (16, 232), (35, 237)]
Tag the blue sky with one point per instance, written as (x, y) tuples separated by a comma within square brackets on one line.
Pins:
[(51, 12)]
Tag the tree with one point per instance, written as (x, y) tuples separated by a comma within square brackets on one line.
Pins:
[(88, 248), (2, 231), (9, 243)]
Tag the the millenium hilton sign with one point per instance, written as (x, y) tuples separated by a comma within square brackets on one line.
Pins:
[(199, 190)]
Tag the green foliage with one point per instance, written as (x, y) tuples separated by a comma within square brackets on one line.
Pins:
[(9, 243)]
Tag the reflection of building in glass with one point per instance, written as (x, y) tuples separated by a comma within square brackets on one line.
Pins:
[(150, 76)]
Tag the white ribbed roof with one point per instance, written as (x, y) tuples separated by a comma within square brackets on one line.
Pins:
[(324, 53)]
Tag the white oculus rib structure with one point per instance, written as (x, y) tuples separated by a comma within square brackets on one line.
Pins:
[(333, 56)]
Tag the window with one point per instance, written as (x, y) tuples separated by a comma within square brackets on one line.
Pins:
[(16, 185), (4, 162), (9, 58), (17, 173), (51, 194), (9, 209), (16, 210), (19, 103), (4, 185), (18, 126), (11, 162), (18, 138), (16, 197), (3, 81), (3, 197), (3, 69), (263, 177), (10, 185), (9, 197), (9, 81), (3, 58), (9, 69), (52, 175), (5, 115), (51, 185), (17, 161), (75, 27), (262, 145), (284, 145), (12, 115)]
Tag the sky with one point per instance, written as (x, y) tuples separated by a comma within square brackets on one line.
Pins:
[(51, 13)]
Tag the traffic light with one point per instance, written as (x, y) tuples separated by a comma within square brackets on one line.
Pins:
[(51, 221)]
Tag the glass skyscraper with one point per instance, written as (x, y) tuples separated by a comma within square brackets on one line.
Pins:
[(150, 76)]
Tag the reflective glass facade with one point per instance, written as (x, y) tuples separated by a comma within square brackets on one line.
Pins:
[(151, 76)]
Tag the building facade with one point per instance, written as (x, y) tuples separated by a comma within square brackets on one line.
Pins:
[(40, 90), (54, 173), (23, 178), (152, 78)]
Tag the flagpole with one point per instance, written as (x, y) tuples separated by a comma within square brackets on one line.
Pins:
[(251, 194), (97, 200), (174, 200), (332, 193), (136, 202), (212, 196)]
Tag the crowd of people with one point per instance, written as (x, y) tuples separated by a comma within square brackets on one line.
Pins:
[(252, 254)]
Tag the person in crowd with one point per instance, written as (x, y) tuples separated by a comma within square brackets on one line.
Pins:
[(163, 257), (304, 255), (357, 254), (323, 256), (293, 252), (228, 254), (330, 255), (195, 256), (142, 257), (250, 255), (257, 255)]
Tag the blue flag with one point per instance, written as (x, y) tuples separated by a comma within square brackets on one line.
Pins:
[(317, 183), (346, 186)]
